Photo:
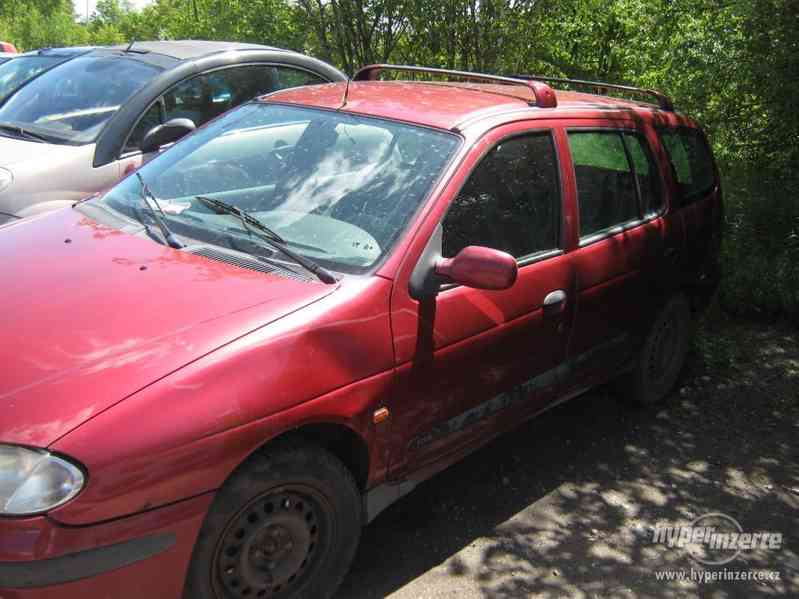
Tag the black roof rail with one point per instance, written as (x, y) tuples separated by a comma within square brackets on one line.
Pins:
[(543, 94), (663, 101)]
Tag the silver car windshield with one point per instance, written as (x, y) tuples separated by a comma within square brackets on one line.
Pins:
[(20, 69), (72, 102), (337, 187)]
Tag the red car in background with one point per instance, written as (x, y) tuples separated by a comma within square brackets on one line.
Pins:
[(7, 51), (218, 371)]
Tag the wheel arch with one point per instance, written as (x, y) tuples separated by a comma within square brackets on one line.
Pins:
[(338, 438)]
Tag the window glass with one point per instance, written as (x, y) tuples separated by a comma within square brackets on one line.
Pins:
[(150, 119), (16, 72), (339, 188), (199, 99), (72, 102), (511, 201), (692, 162), (678, 157), (295, 78), (647, 174), (207, 96), (606, 190)]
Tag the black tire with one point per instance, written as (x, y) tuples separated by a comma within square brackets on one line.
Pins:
[(285, 525), (662, 356)]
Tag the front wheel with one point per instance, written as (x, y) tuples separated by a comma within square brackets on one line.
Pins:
[(662, 356), (284, 526)]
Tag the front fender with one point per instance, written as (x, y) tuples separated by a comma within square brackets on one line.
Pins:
[(329, 362)]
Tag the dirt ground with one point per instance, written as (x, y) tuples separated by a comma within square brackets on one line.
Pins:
[(566, 506)]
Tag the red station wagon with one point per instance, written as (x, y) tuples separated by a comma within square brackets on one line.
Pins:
[(218, 371)]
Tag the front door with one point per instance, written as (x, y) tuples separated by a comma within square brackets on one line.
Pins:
[(471, 362)]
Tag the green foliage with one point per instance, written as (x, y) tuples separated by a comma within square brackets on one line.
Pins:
[(39, 23), (732, 64), (760, 254)]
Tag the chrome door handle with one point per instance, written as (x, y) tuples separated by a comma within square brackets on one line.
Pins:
[(554, 298)]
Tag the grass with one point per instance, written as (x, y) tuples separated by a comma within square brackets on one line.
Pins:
[(717, 343)]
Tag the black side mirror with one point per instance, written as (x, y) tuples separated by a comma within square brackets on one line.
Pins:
[(169, 132)]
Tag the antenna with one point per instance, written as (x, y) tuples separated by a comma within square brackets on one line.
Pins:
[(130, 45)]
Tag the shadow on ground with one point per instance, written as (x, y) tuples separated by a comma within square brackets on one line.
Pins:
[(566, 505)]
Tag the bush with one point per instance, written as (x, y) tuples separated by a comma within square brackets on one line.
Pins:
[(760, 253)]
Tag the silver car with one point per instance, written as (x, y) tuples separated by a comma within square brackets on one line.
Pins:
[(78, 128)]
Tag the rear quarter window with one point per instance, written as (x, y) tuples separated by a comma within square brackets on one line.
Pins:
[(691, 161)]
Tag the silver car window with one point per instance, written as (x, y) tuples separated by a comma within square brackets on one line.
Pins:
[(19, 70), (72, 102)]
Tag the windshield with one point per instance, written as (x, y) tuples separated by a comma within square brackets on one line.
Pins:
[(72, 103), (338, 188), (19, 70)]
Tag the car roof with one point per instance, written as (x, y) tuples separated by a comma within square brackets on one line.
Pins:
[(163, 54), (189, 49), (178, 50), (59, 52), (444, 105)]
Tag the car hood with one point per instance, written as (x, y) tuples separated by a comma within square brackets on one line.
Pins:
[(14, 151), (91, 315)]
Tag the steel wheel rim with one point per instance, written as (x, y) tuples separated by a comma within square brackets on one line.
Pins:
[(273, 545)]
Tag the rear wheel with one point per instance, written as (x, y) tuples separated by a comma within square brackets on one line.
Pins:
[(284, 526), (662, 356)]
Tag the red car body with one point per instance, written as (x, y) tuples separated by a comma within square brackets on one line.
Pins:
[(160, 371)]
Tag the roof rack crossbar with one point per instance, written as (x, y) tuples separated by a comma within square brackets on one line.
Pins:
[(663, 101), (543, 94)]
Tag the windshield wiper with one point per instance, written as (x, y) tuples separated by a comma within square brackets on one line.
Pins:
[(22, 132), (267, 234), (245, 217), (147, 196)]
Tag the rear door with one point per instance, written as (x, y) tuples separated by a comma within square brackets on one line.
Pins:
[(696, 198), (620, 243), (472, 362)]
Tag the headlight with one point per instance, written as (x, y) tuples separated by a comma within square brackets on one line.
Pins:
[(34, 481), (6, 178)]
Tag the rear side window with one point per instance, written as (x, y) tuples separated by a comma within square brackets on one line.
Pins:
[(295, 78), (646, 173), (691, 161), (617, 180), (511, 201), (605, 184)]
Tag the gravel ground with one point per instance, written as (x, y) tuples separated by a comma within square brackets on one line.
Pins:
[(566, 505)]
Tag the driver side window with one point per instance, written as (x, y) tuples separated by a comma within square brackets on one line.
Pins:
[(511, 201), (152, 118), (205, 97)]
